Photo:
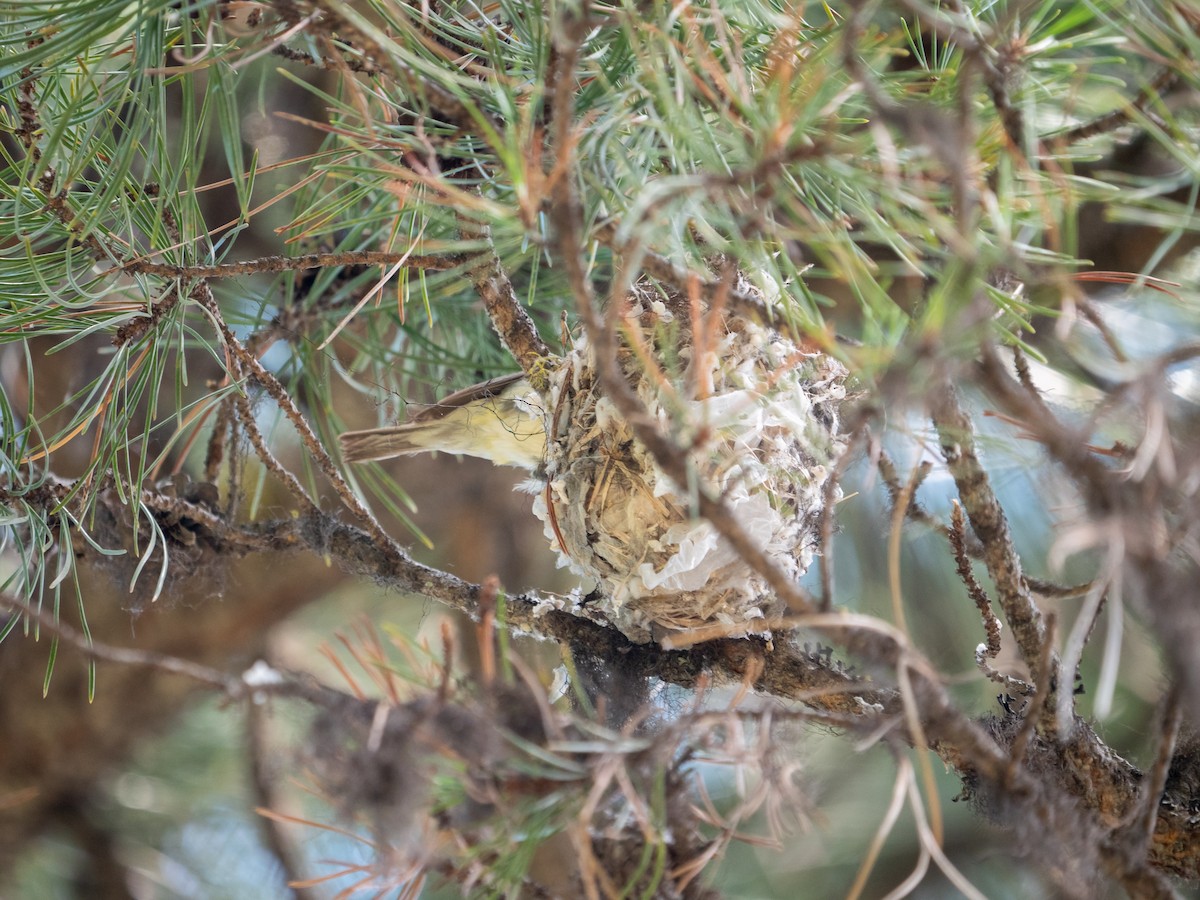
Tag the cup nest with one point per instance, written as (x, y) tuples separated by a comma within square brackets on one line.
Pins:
[(760, 416)]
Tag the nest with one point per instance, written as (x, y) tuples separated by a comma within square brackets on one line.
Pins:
[(760, 416)]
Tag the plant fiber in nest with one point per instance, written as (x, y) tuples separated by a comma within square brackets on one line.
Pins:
[(760, 416)]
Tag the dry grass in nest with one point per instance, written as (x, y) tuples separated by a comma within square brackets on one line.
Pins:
[(760, 418)]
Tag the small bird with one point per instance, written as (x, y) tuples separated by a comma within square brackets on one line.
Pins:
[(501, 420)]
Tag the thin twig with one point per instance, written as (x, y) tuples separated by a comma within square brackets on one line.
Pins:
[(956, 433), (1164, 81), (126, 656), (1043, 677), (1140, 822), (886, 467), (263, 264), (218, 442), (1052, 591), (991, 625), (288, 407), (267, 458), (895, 806), (1065, 444), (786, 671)]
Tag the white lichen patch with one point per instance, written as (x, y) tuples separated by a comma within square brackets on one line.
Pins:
[(760, 416)]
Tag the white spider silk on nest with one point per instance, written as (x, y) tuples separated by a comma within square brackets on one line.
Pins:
[(760, 415)]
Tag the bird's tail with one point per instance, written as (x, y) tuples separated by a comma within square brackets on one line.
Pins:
[(380, 443)]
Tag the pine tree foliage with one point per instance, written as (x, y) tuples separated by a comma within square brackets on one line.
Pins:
[(231, 231)]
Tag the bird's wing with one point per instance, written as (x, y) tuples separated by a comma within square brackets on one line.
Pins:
[(434, 411)]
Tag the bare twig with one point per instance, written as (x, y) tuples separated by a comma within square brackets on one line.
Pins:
[(971, 545), (126, 656), (219, 443), (989, 522), (1164, 81), (1068, 445), (1043, 677), (895, 806), (273, 465), (1139, 829), (991, 625), (1052, 591), (786, 671), (915, 511), (142, 266), (287, 406)]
